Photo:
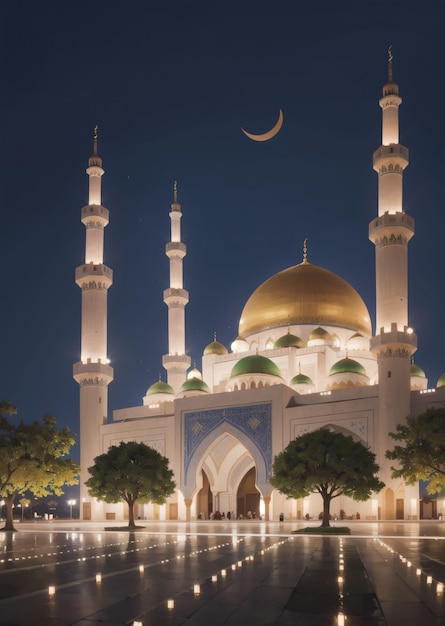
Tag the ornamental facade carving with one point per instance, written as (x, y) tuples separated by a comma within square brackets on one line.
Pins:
[(391, 353), (93, 284), (94, 224), (93, 381), (393, 239)]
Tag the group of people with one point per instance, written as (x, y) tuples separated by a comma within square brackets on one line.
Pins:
[(217, 515)]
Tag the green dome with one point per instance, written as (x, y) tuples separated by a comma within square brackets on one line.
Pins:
[(160, 387), (288, 341), (215, 348), (319, 333), (301, 379), (441, 381), (417, 371), (194, 384), (255, 364), (347, 366)]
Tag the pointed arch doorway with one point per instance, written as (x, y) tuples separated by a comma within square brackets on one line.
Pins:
[(248, 497)]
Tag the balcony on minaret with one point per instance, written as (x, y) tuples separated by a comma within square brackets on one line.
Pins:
[(392, 158), (176, 297), (95, 210), (89, 372), (94, 276), (402, 341), (176, 363), (175, 249), (386, 228)]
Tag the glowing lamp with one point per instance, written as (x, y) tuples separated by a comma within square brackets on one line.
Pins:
[(98, 578), (340, 619), (429, 580), (170, 604), (51, 590)]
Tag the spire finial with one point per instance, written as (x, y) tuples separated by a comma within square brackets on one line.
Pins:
[(390, 60), (95, 135), (175, 191), (305, 251)]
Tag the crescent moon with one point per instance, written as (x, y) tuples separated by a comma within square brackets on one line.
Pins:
[(270, 133)]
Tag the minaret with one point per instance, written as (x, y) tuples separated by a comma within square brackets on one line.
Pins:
[(394, 342), (92, 372), (176, 362)]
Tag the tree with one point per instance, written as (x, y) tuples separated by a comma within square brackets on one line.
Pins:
[(328, 463), (422, 455), (131, 472), (31, 459)]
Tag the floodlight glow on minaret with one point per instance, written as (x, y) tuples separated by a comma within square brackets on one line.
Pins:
[(394, 341), (393, 229), (176, 362), (92, 372)]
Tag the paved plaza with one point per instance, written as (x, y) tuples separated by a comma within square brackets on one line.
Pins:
[(215, 573)]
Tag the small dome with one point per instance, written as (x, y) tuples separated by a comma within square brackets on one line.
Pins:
[(441, 381), (417, 371), (301, 379), (215, 347), (357, 342), (320, 333), (288, 341), (194, 373), (347, 366), (160, 387), (255, 364), (239, 345), (194, 384)]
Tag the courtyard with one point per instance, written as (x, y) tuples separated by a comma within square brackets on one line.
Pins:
[(214, 573)]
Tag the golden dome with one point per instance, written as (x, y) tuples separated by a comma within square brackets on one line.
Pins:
[(304, 294)]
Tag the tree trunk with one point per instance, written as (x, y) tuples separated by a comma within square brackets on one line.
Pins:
[(326, 508), (131, 523), (9, 501)]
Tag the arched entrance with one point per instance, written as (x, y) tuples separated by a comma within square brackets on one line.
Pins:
[(248, 497), (204, 500)]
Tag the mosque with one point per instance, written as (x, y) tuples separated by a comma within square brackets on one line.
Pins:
[(305, 357)]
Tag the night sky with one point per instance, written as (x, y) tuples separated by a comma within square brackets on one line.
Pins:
[(170, 84)]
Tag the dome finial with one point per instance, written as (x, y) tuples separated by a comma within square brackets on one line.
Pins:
[(390, 60), (305, 251), (214, 335)]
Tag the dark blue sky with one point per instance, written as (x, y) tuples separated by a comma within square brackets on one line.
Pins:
[(170, 84)]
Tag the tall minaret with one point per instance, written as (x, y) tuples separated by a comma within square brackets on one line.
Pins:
[(176, 362), (92, 372), (394, 342)]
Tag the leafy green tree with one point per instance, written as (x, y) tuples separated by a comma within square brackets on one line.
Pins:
[(31, 459), (131, 472), (422, 455), (328, 463)]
